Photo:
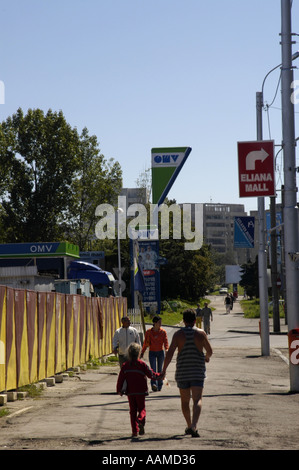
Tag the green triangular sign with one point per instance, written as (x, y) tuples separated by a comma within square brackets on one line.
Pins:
[(166, 165)]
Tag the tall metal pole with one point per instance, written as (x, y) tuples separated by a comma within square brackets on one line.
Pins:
[(119, 211), (262, 257), (273, 246), (289, 209)]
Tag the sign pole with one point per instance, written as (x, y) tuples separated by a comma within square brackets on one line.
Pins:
[(262, 257)]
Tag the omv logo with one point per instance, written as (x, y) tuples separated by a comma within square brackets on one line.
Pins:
[(166, 158)]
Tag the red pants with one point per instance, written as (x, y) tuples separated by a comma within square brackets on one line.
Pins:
[(137, 405)]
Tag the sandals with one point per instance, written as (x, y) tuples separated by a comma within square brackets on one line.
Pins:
[(192, 432)]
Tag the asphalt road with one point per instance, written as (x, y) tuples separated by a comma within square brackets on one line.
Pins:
[(246, 403)]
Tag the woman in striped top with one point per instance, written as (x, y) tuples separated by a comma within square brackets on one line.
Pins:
[(190, 368)]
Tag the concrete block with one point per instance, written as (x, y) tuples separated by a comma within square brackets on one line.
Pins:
[(50, 381), (12, 396), (58, 378), (3, 399), (22, 395)]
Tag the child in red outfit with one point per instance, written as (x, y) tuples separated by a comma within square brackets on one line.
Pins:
[(135, 372)]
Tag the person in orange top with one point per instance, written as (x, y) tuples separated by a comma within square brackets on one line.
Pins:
[(155, 339)]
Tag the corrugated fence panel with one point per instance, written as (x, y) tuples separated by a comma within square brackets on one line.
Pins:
[(2, 336), (50, 334), (22, 353), (69, 330), (82, 330), (76, 346), (10, 350), (61, 357), (43, 333), (31, 308)]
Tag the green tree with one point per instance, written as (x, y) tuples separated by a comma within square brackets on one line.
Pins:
[(187, 273), (249, 278), (50, 179), (97, 181)]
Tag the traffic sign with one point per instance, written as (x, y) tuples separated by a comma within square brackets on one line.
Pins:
[(256, 168)]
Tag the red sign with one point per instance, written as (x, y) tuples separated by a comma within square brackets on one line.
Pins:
[(256, 168)]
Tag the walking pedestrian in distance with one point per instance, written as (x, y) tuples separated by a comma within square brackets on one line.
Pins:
[(190, 368), (123, 337), (207, 318), (198, 316), (227, 303)]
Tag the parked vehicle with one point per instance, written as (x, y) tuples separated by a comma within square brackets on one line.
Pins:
[(102, 281), (223, 290)]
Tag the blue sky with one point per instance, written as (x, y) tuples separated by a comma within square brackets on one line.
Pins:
[(141, 74)]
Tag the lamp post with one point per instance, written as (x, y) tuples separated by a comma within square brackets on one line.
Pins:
[(262, 258)]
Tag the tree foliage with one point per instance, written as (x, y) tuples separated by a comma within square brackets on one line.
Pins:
[(188, 273), (249, 278), (51, 179)]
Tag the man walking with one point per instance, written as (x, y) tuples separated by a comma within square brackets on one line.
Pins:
[(123, 337), (207, 316), (190, 368), (227, 303)]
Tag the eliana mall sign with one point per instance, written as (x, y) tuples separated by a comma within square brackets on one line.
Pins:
[(256, 168)]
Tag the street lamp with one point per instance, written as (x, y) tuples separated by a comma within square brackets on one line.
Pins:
[(262, 259)]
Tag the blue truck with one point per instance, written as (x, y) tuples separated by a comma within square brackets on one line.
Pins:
[(103, 281)]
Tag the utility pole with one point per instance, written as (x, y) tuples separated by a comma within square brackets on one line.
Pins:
[(262, 256), (273, 246), (289, 154)]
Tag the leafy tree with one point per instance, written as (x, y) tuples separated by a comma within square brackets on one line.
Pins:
[(249, 278), (50, 179), (97, 181), (188, 273)]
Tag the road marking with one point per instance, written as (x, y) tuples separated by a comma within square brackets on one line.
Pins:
[(20, 411), (279, 353)]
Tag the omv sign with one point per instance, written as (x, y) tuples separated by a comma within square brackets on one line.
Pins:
[(168, 159), (167, 162)]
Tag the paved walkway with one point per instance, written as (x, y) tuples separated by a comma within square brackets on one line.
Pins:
[(246, 403)]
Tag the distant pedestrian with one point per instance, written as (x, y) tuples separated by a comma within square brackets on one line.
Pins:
[(123, 337), (198, 316), (190, 368), (207, 317), (155, 339), (132, 381), (231, 301), (227, 303)]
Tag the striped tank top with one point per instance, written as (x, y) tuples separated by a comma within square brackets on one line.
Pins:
[(190, 361)]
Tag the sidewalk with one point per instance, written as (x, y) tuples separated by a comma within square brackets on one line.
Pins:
[(246, 403)]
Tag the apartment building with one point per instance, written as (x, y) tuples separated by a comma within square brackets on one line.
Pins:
[(218, 229)]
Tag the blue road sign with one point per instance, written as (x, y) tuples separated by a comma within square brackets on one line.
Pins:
[(244, 232)]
